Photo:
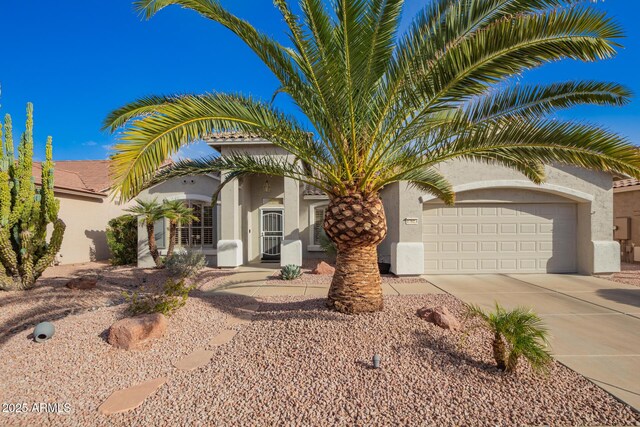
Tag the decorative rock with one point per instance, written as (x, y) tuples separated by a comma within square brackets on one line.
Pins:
[(223, 337), (130, 398), (196, 359), (81, 283), (324, 268), (439, 316), (134, 332)]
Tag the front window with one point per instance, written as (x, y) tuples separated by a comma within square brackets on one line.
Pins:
[(317, 230), (201, 234), (158, 231)]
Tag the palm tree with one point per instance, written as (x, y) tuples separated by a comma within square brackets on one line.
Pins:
[(178, 214), (519, 332), (149, 211), (384, 106)]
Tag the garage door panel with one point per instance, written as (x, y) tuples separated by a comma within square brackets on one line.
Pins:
[(500, 238)]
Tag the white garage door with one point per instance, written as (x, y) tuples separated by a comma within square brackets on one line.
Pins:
[(500, 238)]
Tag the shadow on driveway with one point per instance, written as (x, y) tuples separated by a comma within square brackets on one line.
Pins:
[(623, 296)]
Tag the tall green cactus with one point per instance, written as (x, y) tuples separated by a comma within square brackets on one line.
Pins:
[(25, 211)]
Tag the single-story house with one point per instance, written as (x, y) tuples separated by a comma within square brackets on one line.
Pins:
[(501, 222), (626, 211), (85, 206)]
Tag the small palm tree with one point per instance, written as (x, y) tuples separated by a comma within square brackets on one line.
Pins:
[(149, 211), (384, 106), (516, 333), (178, 214)]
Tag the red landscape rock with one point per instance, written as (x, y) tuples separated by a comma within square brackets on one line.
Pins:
[(135, 332), (439, 316), (82, 283), (324, 268)]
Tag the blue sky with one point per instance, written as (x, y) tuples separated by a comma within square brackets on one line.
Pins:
[(76, 60)]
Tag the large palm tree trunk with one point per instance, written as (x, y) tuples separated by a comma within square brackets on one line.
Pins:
[(153, 246), (356, 224), (356, 285)]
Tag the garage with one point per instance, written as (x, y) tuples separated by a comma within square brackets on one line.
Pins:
[(473, 238)]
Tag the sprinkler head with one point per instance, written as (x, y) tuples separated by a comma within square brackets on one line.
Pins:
[(376, 361)]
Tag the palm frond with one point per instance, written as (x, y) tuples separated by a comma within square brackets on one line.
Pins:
[(139, 108), (537, 101), (150, 140), (384, 106), (236, 165)]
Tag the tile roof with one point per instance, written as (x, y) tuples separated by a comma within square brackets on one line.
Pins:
[(232, 136), (310, 190), (630, 182), (94, 173), (65, 180)]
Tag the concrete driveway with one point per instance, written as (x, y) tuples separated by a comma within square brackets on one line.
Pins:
[(595, 323)]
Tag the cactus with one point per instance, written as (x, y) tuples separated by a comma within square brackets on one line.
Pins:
[(290, 272), (25, 211)]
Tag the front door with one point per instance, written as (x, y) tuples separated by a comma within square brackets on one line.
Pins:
[(271, 234)]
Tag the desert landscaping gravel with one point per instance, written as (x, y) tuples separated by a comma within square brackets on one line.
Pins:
[(629, 274), (294, 364)]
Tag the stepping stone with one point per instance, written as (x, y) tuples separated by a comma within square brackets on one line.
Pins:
[(250, 307), (242, 319), (223, 337), (130, 398), (197, 359)]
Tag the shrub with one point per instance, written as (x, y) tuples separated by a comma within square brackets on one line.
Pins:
[(290, 272), (185, 263), (122, 238), (519, 332), (173, 296)]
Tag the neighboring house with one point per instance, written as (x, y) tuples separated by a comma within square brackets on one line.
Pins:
[(626, 211), (85, 207), (501, 223)]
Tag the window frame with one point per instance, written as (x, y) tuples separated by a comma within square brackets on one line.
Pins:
[(215, 227), (160, 244), (311, 247)]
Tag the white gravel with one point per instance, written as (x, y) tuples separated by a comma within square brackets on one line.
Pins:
[(295, 364)]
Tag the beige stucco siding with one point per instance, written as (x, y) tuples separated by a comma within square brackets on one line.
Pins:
[(86, 220), (256, 198), (626, 204), (200, 188), (594, 216)]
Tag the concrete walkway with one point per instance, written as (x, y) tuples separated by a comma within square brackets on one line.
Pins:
[(595, 323), (257, 281)]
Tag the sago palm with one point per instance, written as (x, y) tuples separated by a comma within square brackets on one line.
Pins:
[(516, 333), (178, 214), (149, 211), (384, 106)]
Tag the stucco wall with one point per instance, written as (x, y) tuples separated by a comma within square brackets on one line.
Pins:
[(595, 218), (199, 188), (627, 204), (390, 196), (258, 198), (306, 226), (85, 236)]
